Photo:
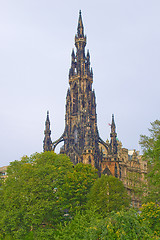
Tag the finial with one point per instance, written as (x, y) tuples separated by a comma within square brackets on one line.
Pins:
[(113, 125), (73, 54), (68, 92), (91, 71), (48, 115), (113, 119), (80, 26)]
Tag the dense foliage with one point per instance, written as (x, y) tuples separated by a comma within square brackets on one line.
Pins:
[(151, 214), (126, 225), (40, 192), (108, 194), (46, 197), (151, 148), (147, 142)]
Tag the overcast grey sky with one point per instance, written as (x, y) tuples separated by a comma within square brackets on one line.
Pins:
[(36, 40)]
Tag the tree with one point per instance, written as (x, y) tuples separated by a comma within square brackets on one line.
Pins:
[(125, 225), (38, 192), (147, 142), (76, 187), (108, 194), (151, 149), (80, 226), (150, 212)]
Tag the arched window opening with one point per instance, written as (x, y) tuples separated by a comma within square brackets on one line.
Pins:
[(75, 99), (75, 135)]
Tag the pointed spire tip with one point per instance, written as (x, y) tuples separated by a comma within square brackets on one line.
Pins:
[(80, 26), (112, 118), (73, 54), (47, 115)]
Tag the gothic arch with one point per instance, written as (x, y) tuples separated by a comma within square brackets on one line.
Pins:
[(54, 144), (75, 132), (107, 171), (75, 98), (103, 143)]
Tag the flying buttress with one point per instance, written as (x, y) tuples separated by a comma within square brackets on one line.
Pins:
[(55, 143), (103, 143)]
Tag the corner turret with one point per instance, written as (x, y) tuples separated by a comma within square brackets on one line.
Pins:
[(47, 143), (113, 135)]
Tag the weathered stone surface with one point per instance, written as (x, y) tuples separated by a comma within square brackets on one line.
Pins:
[(82, 142)]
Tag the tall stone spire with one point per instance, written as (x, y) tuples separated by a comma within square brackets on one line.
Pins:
[(47, 143), (80, 28), (80, 43), (81, 138), (113, 135)]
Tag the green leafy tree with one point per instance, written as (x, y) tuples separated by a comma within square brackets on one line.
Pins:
[(151, 149), (76, 187), (150, 212), (108, 194), (147, 142), (37, 193), (80, 226), (124, 225)]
